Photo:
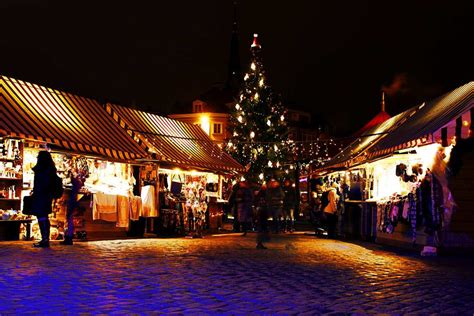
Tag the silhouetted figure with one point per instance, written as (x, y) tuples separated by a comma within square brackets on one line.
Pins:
[(45, 171), (274, 198), (289, 206), (262, 216), (244, 201)]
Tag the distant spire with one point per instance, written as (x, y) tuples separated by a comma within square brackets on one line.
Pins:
[(383, 101), (234, 71)]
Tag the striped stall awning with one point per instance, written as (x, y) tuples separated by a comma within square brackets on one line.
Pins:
[(71, 122), (173, 141), (424, 126)]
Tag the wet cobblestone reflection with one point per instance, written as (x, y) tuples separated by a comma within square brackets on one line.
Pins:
[(298, 274)]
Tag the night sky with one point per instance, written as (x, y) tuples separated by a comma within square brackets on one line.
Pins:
[(331, 58)]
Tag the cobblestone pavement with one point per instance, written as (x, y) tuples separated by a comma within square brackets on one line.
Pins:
[(298, 274)]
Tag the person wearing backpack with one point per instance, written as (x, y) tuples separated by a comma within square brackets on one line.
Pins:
[(43, 194)]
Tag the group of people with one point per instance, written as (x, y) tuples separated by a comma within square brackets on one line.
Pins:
[(45, 173), (252, 206)]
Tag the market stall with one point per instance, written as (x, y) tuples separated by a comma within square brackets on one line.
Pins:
[(78, 132), (187, 171), (402, 178)]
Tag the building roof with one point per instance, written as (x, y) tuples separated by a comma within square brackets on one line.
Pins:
[(174, 142), (67, 121), (381, 117), (368, 139), (217, 99)]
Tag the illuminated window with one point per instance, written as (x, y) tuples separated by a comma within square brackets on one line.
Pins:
[(217, 128)]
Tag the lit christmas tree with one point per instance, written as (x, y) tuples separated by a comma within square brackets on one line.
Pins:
[(259, 135)]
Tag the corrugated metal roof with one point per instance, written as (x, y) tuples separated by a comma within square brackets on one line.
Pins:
[(174, 141), (429, 118), (30, 111)]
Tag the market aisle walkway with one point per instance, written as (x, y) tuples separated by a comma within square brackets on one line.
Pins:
[(298, 274)]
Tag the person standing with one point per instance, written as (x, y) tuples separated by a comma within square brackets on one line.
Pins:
[(77, 181), (244, 201), (274, 198), (262, 216), (330, 210), (289, 206), (43, 182)]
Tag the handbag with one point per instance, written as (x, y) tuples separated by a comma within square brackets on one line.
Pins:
[(27, 205)]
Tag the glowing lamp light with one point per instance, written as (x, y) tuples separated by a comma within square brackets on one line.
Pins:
[(465, 123), (282, 118), (205, 124), (240, 118), (256, 96), (246, 76), (237, 106), (253, 67), (269, 123), (260, 176), (261, 83), (270, 164), (242, 178), (252, 134), (278, 164), (275, 147)]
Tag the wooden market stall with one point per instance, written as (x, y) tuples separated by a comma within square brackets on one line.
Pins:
[(188, 171), (399, 171), (75, 130)]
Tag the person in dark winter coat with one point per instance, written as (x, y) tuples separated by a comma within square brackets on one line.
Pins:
[(45, 170), (274, 198), (262, 216), (244, 200)]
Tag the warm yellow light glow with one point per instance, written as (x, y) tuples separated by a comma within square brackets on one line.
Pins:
[(252, 134), (270, 164), (252, 66), (261, 83), (237, 106), (246, 76), (282, 118), (205, 124), (240, 118), (256, 96), (260, 176), (242, 178), (275, 147), (465, 123), (269, 123)]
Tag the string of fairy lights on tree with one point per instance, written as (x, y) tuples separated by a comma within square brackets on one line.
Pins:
[(258, 127)]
